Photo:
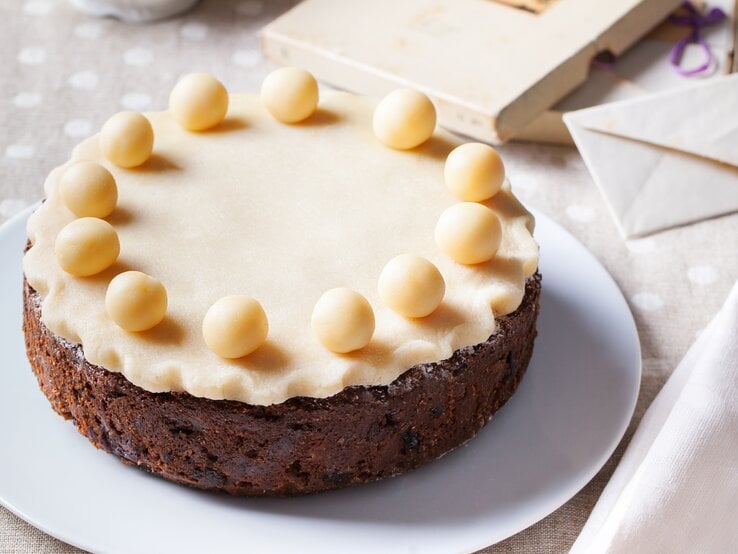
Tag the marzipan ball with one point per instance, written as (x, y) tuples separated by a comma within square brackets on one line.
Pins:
[(235, 326), (87, 246), (404, 119), (469, 233), (474, 172), (198, 101), (290, 94), (88, 190), (411, 286), (127, 139), (343, 320), (136, 301)]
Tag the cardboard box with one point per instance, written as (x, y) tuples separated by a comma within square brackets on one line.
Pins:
[(489, 67)]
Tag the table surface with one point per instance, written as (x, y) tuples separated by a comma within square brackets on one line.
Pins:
[(62, 74)]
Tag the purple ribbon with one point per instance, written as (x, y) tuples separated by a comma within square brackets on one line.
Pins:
[(695, 21)]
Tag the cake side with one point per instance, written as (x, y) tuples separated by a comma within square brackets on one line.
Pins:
[(302, 445)]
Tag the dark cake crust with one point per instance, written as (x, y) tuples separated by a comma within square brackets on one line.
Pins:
[(303, 445)]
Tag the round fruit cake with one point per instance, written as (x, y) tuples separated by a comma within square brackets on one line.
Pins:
[(279, 294)]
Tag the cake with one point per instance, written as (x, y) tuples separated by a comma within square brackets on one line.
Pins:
[(282, 293)]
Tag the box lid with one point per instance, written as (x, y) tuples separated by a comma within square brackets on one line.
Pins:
[(490, 68)]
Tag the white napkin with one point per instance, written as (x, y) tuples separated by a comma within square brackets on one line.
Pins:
[(666, 159), (676, 488)]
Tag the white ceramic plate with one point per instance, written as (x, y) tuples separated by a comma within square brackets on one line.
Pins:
[(551, 438)]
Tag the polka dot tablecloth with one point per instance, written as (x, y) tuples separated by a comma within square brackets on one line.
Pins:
[(62, 74)]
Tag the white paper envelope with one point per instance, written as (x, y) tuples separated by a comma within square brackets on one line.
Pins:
[(666, 159)]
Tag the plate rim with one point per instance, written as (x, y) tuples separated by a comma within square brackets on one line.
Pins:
[(550, 507)]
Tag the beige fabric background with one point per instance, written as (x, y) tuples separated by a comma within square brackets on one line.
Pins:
[(62, 74)]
